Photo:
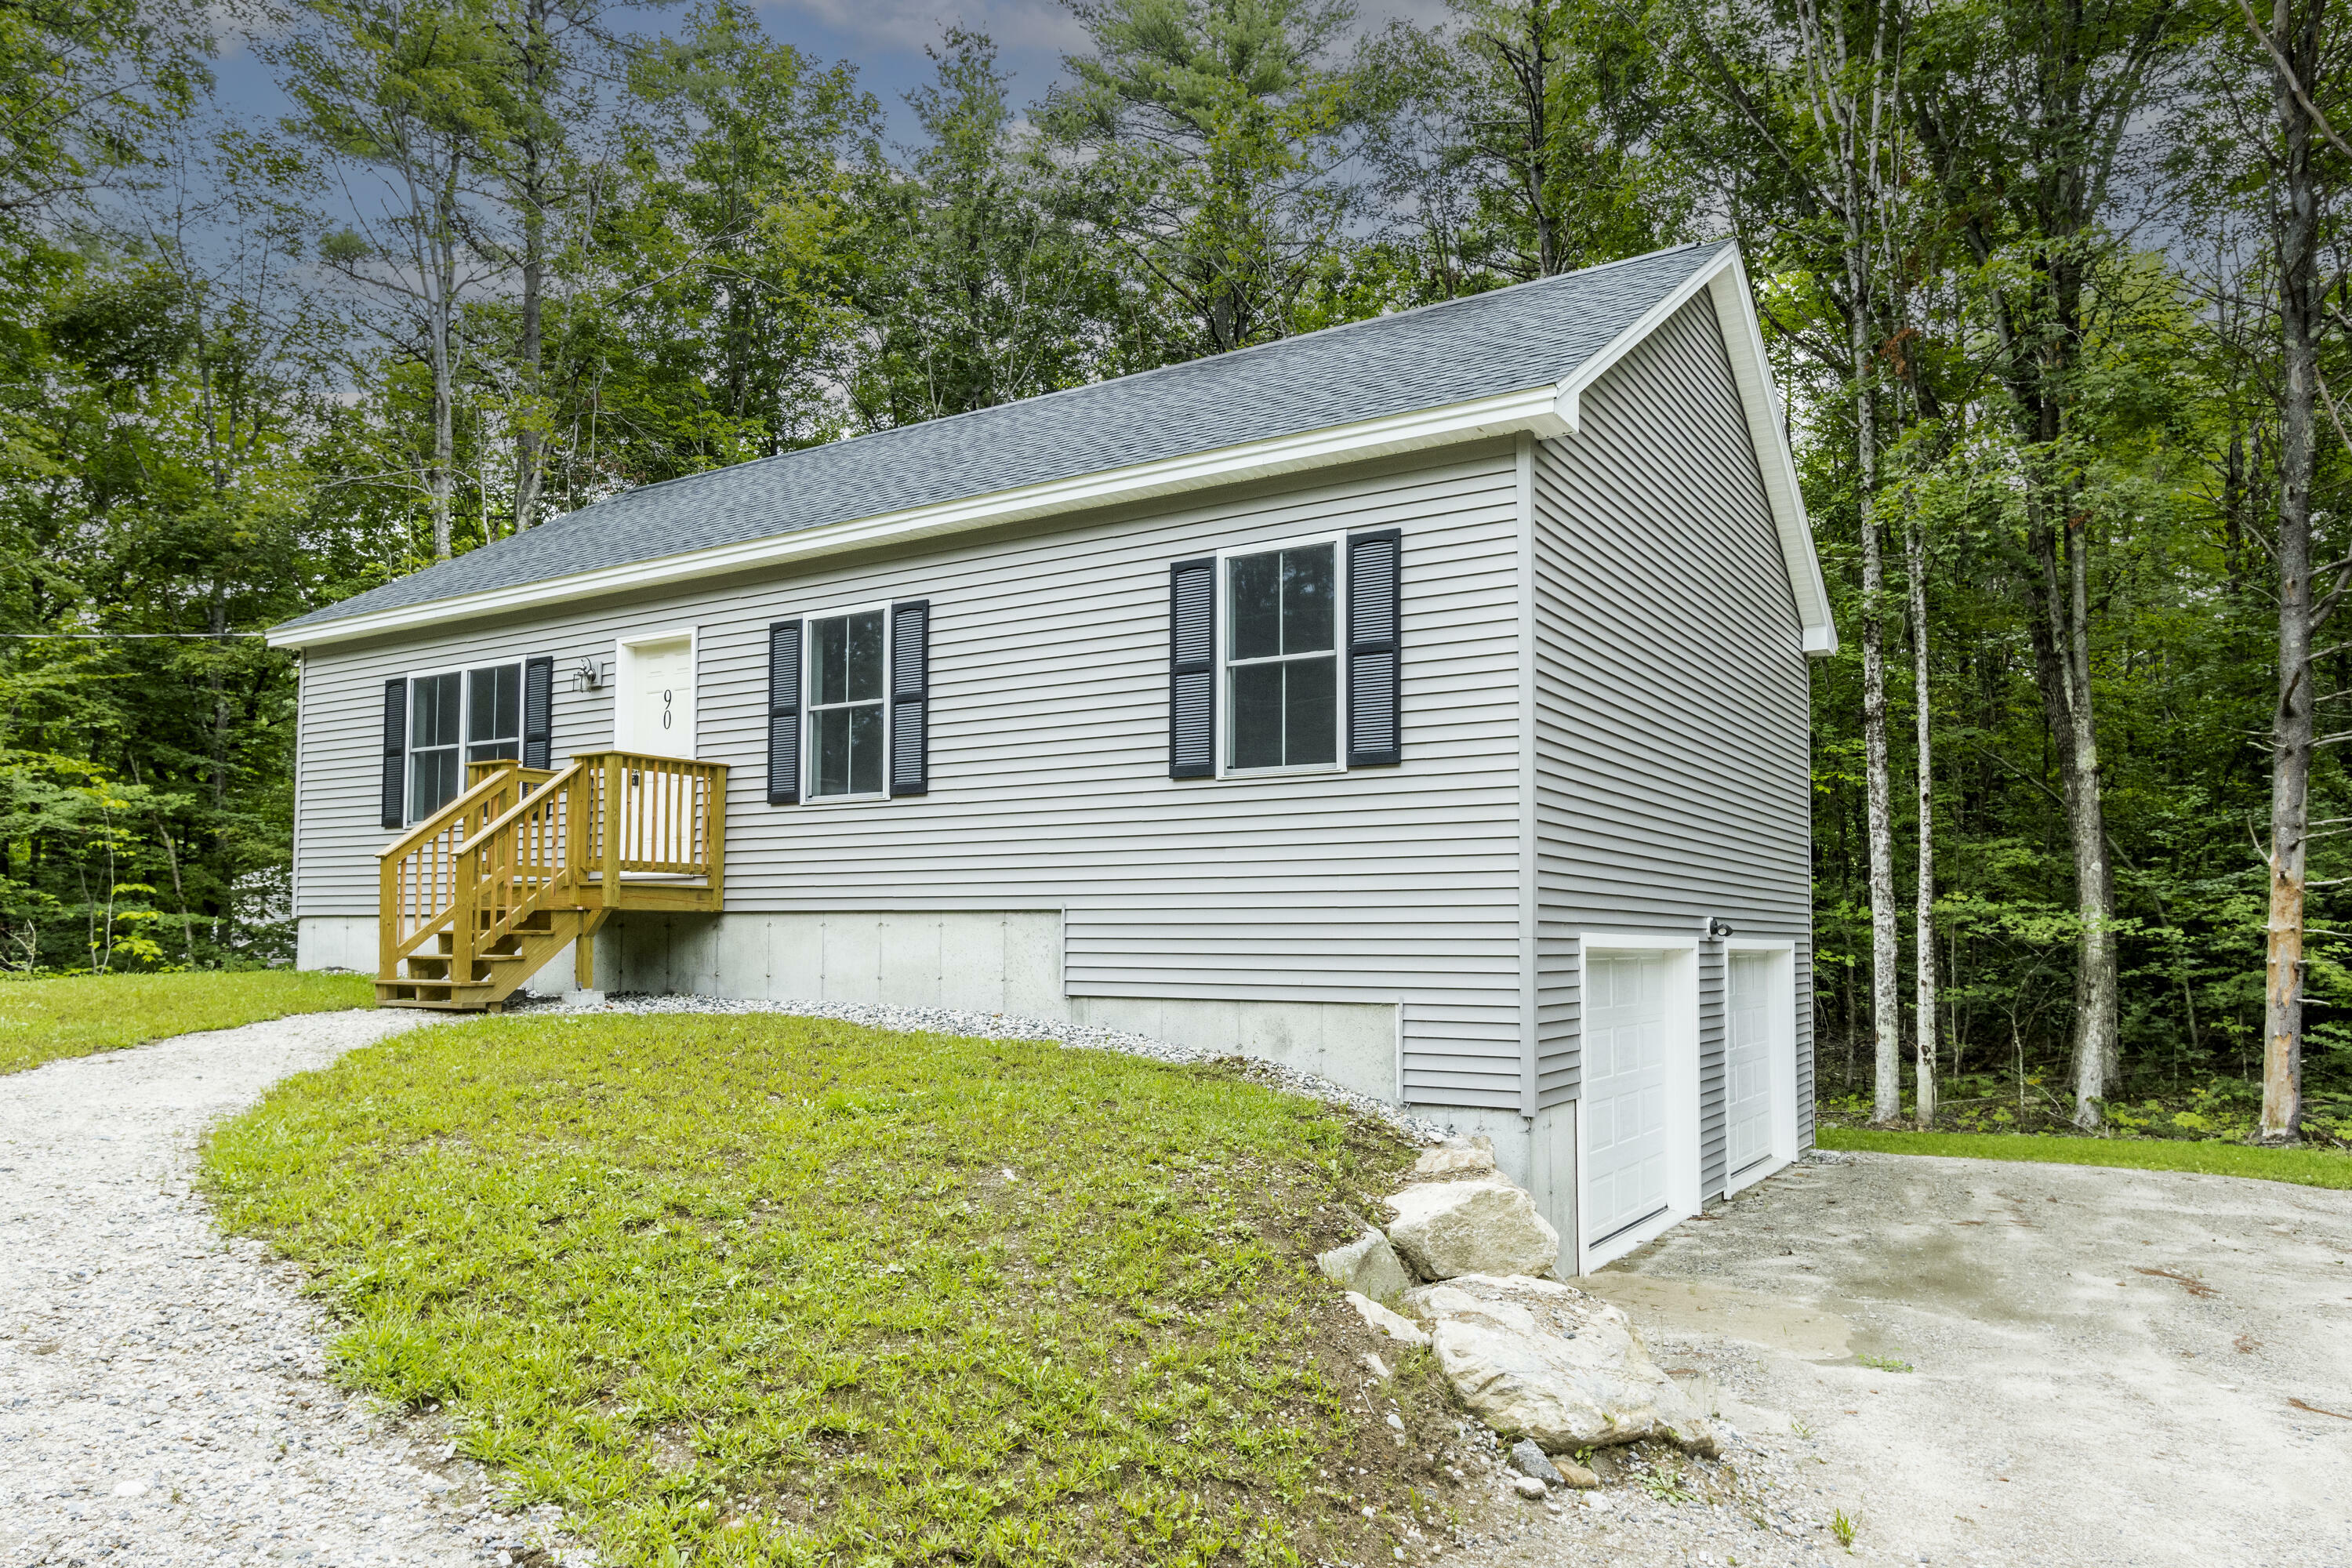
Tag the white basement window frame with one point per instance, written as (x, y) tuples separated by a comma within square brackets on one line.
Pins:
[(814, 709), (484, 726), (1335, 653)]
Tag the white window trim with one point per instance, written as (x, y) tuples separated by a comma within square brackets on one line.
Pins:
[(809, 706), (1223, 662), (625, 655), (1783, 1047), (1683, 1133), (408, 747)]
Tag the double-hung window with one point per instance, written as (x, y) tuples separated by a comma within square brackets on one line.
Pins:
[(1282, 691), (455, 717), (849, 704), (849, 686)]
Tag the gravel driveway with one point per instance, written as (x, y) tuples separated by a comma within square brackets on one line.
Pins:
[(2110, 1367), (161, 1396)]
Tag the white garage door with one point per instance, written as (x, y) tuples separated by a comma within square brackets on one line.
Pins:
[(1625, 1092), (1747, 1067)]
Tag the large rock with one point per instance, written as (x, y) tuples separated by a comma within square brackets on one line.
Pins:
[(1367, 1266), (1534, 1358), (1455, 1157), (1447, 1229), (1396, 1325)]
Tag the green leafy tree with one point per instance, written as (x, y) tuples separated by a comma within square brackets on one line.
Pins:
[(1209, 143), (974, 292), (717, 321)]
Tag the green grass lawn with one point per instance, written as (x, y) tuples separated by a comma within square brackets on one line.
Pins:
[(766, 1289), (42, 1020), (2309, 1167)]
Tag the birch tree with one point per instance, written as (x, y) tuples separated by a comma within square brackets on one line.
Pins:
[(1923, 907), (1825, 123)]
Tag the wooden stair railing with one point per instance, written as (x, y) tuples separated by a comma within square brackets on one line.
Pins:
[(478, 897)]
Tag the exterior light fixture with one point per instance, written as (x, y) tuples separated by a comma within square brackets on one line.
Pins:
[(1717, 926)]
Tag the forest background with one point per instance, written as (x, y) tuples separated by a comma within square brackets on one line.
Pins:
[(2056, 295)]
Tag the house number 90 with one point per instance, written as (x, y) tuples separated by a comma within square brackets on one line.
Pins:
[(666, 713)]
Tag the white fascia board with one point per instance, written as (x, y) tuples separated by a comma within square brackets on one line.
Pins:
[(1502, 414), (1726, 278)]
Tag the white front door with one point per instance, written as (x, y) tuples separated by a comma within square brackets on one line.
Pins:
[(1747, 1063), (657, 697), (1625, 1092)]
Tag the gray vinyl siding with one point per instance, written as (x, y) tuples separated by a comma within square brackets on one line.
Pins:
[(1714, 1031), (1048, 758), (1671, 694)]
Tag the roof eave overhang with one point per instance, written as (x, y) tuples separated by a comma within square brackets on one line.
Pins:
[(1534, 410), (1724, 279)]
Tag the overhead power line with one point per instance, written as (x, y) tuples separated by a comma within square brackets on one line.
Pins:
[(132, 637)]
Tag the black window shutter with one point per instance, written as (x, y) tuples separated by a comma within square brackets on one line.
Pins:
[(910, 697), (395, 753), (1375, 634), (783, 713), (1193, 669), (537, 712)]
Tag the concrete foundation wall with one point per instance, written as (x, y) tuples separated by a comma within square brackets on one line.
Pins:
[(1005, 961), (982, 961), (336, 942), (1353, 1044)]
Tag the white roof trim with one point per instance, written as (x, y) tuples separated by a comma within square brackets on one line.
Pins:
[(1546, 411), (1743, 338)]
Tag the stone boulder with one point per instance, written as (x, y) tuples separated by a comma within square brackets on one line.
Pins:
[(1534, 1358), (1367, 1266), (1397, 1326), (1456, 1156), (1529, 1458), (1449, 1228)]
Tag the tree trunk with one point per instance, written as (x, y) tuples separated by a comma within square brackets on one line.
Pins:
[(2062, 669), (529, 413), (1535, 80), (441, 247), (2297, 38), (2097, 1064), (1886, 940), (1915, 561)]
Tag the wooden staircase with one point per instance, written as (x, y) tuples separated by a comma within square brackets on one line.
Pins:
[(479, 897)]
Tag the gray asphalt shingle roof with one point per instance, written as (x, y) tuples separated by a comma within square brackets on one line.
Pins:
[(1507, 341)]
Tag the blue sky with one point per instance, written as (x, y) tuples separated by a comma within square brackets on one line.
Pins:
[(884, 39)]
